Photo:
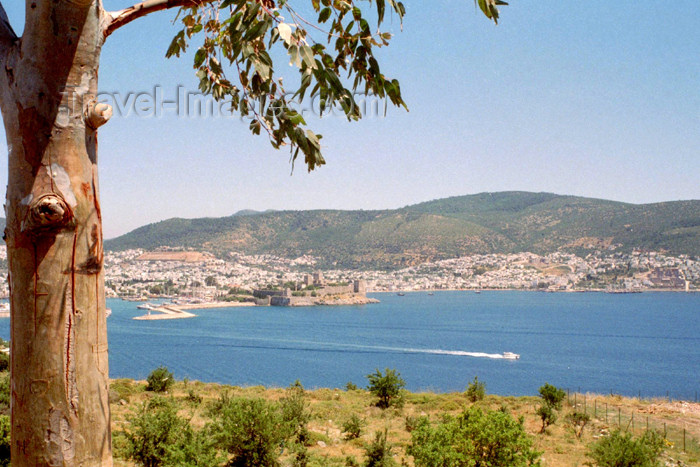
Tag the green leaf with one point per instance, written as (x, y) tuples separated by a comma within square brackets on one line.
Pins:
[(380, 12), (489, 8), (313, 139), (294, 58), (324, 15), (175, 47), (258, 29), (308, 56), (296, 118), (199, 57)]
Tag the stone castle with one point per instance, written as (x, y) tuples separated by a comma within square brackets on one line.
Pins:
[(315, 291)]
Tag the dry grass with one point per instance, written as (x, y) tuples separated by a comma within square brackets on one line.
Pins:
[(330, 408)]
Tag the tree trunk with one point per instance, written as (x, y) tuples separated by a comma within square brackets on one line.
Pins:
[(48, 82)]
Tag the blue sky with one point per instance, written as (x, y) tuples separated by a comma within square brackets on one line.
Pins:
[(595, 98)]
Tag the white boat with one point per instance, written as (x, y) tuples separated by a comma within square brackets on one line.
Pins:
[(146, 306), (511, 355)]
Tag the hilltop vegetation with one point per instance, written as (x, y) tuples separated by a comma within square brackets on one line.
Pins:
[(214, 424), (507, 222)]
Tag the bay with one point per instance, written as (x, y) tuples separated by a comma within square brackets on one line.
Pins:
[(630, 344)]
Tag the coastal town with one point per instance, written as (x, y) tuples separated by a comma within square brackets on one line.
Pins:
[(195, 276)]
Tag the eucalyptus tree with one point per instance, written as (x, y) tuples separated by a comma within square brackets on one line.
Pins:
[(48, 98)]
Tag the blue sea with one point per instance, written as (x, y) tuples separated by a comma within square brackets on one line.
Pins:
[(644, 344)]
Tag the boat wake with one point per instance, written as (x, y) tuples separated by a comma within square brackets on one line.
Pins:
[(305, 345), (459, 353), (456, 353)]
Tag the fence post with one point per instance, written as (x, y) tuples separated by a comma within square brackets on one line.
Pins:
[(585, 406), (619, 417), (647, 422), (683, 439), (632, 422), (664, 430), (606, 412), (595, 408)]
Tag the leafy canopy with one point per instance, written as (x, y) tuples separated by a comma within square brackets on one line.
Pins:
[(159, 380), (378, 452), (552, 395), (476, 390), (386, 387), (623, 450), (475, 438), (251, 431), (155, 435), (552, 398), (333, 53)]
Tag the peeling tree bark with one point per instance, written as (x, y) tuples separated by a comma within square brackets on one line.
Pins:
[(48, 85), (48, 89)]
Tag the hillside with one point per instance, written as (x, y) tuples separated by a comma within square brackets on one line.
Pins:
[(330, 410), (476, 224)]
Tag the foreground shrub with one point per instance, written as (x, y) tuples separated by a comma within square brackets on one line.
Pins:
[(5, 444), (250, 430), (623, 450), (476, 390), (386, 387), (414, 421), (475, 438), (378, 452), (353, 427), (548, 416), (160, 380), (578, 421), (155, 435), (124, 388), (295, 414), (552, 398), (193, 398), (150, 429), (5, 392)]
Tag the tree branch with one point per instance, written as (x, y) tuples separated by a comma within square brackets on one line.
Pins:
[(126, 16), (7, 34)]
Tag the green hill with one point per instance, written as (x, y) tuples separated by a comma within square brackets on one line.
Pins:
[(476, 224)]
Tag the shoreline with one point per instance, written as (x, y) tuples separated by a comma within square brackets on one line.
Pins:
[(486, 289)]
